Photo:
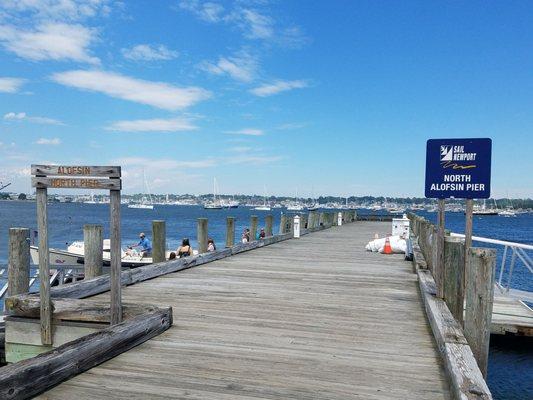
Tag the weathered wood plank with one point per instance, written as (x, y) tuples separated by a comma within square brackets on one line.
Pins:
[(115, 277), (454, 263), (44, 266), (31, 377), (93, 246), (76, 183), (230, 231), (159, 241), (73, 170)]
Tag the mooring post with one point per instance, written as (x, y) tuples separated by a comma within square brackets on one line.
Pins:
[(230, 231), (479, 293), (201, 235), (283, 224), (454, 263), (18, 264), (340, 218), (116, 258), (159, 241), (253, 228), (93, 246), (311, 219), (439, 250), (268, 225), (303, 222), (321, 218)]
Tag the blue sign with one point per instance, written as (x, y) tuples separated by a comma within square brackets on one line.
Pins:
[(458, 168)]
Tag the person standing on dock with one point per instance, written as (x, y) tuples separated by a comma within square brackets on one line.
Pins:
[(145, 244)]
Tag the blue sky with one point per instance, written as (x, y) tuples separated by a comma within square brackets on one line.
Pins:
[(335, 97)]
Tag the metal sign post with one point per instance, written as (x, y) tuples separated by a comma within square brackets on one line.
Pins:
[(75, 177), (458, 168)]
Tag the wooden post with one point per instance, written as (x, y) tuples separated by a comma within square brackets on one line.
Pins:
[(201, 235), (454, 263), (44, 266), (321, 218), (159, 241), (469, 209), (268, 225), (230, 231), (18, 264), (93, 246), (253, 228), (479, 300), (283, 224), (116, 256), (439, 249)]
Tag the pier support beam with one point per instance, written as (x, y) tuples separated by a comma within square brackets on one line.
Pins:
[(44, 266), (93, 246), (159, 241), (230, 231), (201, 235), (283, 224), (479, 300), (18, 265), (253, 228), (268, 225), (116, 258), (454, 263)]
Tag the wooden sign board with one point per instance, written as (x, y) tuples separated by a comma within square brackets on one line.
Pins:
[(75, 170), (76, 183)]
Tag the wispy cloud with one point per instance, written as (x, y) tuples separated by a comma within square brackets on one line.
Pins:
[(48, 142), (153, 125), (164, 164), (253, 159), (240, 149), (156, 94), (290, 126), (50, 41), (208, 11), (247, 132), (71, 10), (241, 66), (22, 116), (278, 86), (11, 85), (146, 52), (253, 19)]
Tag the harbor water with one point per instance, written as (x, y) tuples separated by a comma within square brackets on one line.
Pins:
[(511, 359)]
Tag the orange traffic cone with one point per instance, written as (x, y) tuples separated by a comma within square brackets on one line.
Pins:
[(387, 249)]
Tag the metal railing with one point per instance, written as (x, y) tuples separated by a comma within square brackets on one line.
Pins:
[(61, 275), (505, 277)]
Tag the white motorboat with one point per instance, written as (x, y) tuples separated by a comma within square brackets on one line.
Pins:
[(507, 213), (295, 207), (75, 254), (143, 206), (313, 207)]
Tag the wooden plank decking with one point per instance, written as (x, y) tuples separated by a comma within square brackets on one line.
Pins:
[(316, 317)]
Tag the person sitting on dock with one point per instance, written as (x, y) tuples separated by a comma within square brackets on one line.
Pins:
[(185, 249), (245, 238), (262, 234), (145, 244), (211, 245)]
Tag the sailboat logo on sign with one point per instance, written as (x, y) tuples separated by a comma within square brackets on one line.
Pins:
[(446, 153)]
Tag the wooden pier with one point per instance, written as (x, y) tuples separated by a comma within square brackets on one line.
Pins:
[(308, 318)]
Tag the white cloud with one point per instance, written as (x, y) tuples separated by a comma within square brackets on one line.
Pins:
[(11, 85), (146, 52), (210, 12), (153, 125), (57, 9), (22, 116), (50, 41), (247, 131), (278, 86), (49, 142), (241, 67), (156, 94), (253, 159), (255, 25), (291, 126)]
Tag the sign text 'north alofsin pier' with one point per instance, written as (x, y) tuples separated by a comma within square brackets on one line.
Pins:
[(458, 168)]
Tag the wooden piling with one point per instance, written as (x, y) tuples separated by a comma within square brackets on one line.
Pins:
[(116, 258), (201, 235), (283, 224), (230, 231), (93, 245), (44, 267), (268, 225), (159, 241), (454, 262), (253, 228), (479, 293), (439, 251), (18, 264)]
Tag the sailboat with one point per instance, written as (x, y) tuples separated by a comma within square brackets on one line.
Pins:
[(509, 211), (483, 210), (215, 204), (146, 202), (265, 206), (295, 205)]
